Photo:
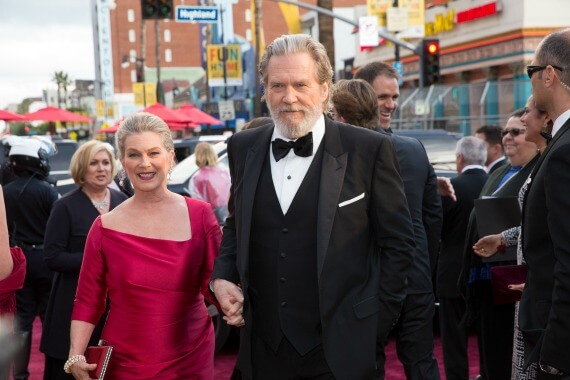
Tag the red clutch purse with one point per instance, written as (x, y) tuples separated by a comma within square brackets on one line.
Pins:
[(100, 355), (501, 277)]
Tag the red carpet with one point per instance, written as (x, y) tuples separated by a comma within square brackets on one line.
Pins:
[(225, 359)]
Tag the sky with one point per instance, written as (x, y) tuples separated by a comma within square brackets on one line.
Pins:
[(38, 38)]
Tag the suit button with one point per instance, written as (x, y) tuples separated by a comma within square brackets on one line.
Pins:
[(283, 304), (283, 255), (283, 280), (285, 230)]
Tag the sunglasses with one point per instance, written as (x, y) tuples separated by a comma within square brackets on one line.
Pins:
[(533, 69), (514, 132)]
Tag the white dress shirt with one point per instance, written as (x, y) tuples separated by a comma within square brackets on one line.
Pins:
[(289, 172), (559, 122)]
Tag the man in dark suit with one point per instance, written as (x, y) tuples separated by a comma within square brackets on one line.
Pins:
[(414, 331), (544, 314), (318, 238), (491, 134), (471, 155), (494, 324)]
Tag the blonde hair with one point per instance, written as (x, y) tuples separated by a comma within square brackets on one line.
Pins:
[(205, 155), (83, 156), (143, 122)]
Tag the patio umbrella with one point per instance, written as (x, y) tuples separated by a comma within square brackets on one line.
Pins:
[(10, 116), (112, 129), (172, 118), (56, 114), (197, 116)]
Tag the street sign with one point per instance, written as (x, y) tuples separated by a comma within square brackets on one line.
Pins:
[(226, 110), (397, 19), (368, 31), (399, 66), (196, 14)]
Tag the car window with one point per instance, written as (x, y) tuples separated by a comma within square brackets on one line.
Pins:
[(61, 161)]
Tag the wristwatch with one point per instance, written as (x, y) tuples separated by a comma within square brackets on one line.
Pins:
[(550, 370)]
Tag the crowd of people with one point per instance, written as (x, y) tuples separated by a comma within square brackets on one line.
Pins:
[(327, 233)]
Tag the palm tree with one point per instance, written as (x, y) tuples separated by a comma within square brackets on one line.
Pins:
[(326, 29), (62, 80)]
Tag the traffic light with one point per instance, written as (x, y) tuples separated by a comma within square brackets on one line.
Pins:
[(157, 9), (429, 55)]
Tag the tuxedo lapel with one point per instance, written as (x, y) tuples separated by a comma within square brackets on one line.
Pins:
[(256, 155), (332, 178)]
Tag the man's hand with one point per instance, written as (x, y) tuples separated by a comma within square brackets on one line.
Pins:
[(230, 297), (445, 188)]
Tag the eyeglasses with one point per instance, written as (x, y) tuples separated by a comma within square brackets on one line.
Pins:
[(514, 132), (533, 69)]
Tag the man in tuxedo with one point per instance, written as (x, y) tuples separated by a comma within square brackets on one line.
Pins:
[(544, 314), (491, 134), (318, 241), (414, 331), (471, 154)]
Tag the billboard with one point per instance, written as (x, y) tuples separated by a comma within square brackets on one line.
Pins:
[(234, 71)]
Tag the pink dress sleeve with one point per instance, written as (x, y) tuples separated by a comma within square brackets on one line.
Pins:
[(91, 293), (15, 281)]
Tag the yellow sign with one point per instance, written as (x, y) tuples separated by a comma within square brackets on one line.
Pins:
[(442, 23), (145, 94), (100, 108), (415, 10), (378, 8), (216, 66)]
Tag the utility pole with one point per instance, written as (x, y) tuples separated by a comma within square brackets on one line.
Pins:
[(258, 18), (396, 46), (159, 89)]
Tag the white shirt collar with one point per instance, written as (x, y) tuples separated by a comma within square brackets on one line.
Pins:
[(560, 122), (469, 167), (318, 133), (495, 162)]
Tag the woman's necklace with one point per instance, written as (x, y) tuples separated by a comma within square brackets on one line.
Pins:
[(100, 205)]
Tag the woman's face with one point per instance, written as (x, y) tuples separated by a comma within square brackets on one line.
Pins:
[(99, 170), (146, 161), (534, 121)]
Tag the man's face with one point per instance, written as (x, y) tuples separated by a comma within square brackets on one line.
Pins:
[(387, 91), (294, 96), (489, 148)]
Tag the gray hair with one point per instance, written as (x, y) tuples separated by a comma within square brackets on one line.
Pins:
[(554, 50), (143, 122), (294, 44), (473, 150)]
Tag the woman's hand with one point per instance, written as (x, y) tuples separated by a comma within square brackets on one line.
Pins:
[(80, 370), (487, 246)]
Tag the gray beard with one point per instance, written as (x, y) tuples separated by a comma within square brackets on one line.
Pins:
[(290, 131)]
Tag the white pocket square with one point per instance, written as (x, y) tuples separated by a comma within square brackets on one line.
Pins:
[(357, 198)]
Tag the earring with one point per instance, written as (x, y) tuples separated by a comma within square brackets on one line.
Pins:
[(122, 176)]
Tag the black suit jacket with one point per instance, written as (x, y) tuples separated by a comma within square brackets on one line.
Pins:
[(424, 203), (498, 165), (364, 249), (544, 315), (66, 232), (467, 187)]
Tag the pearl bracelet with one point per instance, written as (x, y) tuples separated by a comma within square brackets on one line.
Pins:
[(71, 361)]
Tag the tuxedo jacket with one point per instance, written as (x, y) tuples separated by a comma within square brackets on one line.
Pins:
[(424, 203), (467, 187), (364, 241), (544, 315)]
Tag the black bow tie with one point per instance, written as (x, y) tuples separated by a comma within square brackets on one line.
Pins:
[(303, 147)]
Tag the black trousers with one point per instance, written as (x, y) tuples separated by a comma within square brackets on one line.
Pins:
[(414, 339), (495, 336), (287, 363), (31, 301), (53, 369), (454, 338)]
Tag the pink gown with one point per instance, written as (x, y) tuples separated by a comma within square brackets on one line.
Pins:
[(158, 323)]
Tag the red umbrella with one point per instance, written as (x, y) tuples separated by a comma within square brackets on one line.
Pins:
[(167, 114), (10, 116), (112, 129), (56, 114), (197, 116)]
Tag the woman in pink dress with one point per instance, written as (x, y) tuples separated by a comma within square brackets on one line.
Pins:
[(152, 256), (12, 275)]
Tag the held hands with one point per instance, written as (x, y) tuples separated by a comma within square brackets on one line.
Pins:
[(80, 370), (487, 246), (519, 287), (230, 297)]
